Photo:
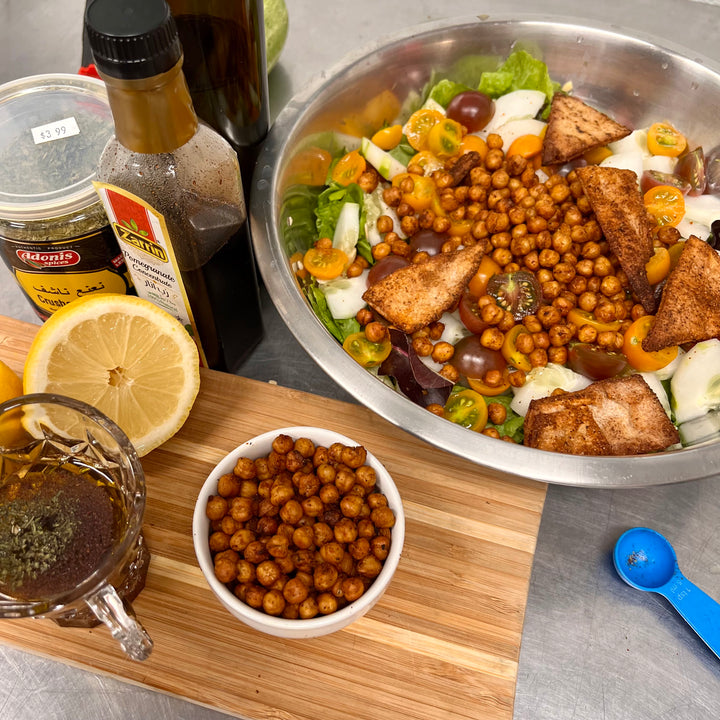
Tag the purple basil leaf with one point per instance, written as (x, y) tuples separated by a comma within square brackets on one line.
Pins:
[(416, 381)]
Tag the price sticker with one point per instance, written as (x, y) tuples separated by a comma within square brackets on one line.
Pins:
[(55, 130)]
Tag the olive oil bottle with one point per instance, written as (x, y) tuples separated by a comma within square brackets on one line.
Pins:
[(171, 185)]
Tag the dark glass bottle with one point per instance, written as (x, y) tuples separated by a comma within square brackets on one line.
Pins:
[(171, 186), (226, 70)]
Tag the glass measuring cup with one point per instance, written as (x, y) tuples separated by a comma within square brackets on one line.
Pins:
[(72, 498)]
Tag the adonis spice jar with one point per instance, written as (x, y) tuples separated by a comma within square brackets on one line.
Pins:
[(54, 234)]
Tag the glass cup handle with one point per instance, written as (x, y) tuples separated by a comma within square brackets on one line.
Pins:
[(124, 626)]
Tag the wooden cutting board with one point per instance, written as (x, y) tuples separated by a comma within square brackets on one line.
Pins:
[(444, 640)]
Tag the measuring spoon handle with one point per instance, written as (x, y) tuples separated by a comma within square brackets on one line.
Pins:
[(700, 611)]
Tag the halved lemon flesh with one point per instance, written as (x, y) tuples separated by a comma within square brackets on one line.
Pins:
[(128, 358)]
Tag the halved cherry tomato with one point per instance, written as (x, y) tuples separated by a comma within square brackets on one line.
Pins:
[(594, 362), (459, 227), (479, 281), (367, 352), (467, 408), (444, 138), (488, 390), (427, 161), (658, 266), (580, 317), (674, 251), (309, 166), (470, 314), (388, 137), (666, 203), (325, 263), (526, 145), (423, 193), (418, 126), (639, 358), (518, 292), (476, 143), (664, 139), (349, 168), (519, 360), (596, 155)]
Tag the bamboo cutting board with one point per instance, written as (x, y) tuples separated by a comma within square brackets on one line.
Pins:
[(444, 640)]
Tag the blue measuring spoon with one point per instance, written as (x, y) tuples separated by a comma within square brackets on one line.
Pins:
[(645, 560)]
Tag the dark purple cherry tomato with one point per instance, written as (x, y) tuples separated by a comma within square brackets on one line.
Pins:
[(654, 178), (518, 292), (594, 362), (470, 314), (473, 360), (384, 267), (427, 241), (472, 109), (691, 167)]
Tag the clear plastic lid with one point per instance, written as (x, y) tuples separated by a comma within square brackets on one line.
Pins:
[(53, 129)]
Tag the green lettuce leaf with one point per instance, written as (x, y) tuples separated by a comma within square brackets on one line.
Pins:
[(329, 205), (444, 91), (339, 329), (513, 425), (521, 71)]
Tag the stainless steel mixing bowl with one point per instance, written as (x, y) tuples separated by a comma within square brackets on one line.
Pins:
[(637, 80)]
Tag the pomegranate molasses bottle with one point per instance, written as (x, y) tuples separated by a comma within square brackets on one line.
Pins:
[(226, 70), (171, 185)]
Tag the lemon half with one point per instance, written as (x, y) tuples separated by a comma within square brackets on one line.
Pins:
[(10, 384), (128, 358)]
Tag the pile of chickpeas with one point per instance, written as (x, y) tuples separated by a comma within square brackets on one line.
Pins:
[(302, 531), (547, 228)]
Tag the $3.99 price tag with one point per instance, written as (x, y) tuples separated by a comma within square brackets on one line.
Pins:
[(55, 130)]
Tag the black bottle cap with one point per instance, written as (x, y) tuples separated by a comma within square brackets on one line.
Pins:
[(132, 39)]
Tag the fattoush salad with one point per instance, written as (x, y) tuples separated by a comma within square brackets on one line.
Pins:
[(518, 262)]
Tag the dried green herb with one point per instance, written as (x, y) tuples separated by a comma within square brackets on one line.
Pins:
[(34, 533)]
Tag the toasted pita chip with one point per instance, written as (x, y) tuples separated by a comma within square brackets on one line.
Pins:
[(619, 416), (574, 128), (416, 295), (689, 308), (615, 198)]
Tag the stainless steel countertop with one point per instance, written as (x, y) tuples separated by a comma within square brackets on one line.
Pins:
[(592, 647)]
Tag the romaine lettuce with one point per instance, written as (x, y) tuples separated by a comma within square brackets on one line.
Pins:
[(521, 71)]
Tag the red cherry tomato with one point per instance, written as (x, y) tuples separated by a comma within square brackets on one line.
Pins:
[(470, 314), (473, 360), (384, 267), (594, 362), (472, 109)]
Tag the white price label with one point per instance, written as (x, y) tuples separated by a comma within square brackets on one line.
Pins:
[(55, 130)]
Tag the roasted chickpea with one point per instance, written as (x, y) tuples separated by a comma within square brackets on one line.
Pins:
[(273, 602), (380, 547), (228, 485), (369, 567), (295, 591), (345, 531), (245, 469), (324, 576), (216, 507), (383, 517)]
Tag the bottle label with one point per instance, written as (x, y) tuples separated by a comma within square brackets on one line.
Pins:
[(144, 240), (53, 273)]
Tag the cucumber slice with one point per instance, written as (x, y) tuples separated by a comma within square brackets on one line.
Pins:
[(381, 160)]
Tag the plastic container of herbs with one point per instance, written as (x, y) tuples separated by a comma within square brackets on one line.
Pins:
[(54, 234)]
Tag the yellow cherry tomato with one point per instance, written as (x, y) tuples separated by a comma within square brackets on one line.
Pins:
[(666, 203), (526, 145), (423, 193), (664, 139), (478, 283), (388, 137), (349, 168), (488, 390), (367, 352), (658, 266), (325, 263), (519, 360), (467, 408), (418, 126), (444, 138), (639, 358), (474, 142), (580, 317), (427, 161), (596, 155)]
